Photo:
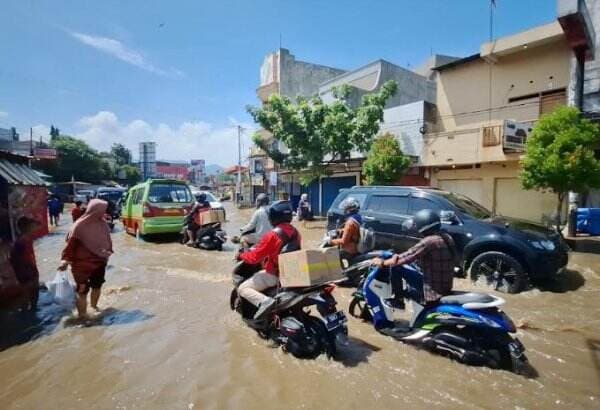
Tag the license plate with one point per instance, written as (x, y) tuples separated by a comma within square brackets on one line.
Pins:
[(335, 320)]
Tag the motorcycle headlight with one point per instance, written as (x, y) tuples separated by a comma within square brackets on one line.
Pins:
[(543, 245)]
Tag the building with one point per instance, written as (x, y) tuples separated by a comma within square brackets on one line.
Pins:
[(147, 159), (179, 172), (487, 103), (197, 171), (281, 74), (9, 134)]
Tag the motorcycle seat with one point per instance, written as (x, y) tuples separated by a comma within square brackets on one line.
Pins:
[(472, 300)]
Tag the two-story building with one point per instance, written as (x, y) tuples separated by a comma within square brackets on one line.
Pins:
[(487, 104)]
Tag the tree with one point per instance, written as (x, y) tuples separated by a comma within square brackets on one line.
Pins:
[(385, 162), (54, 132), (130, 174), (121, 154), (314, 132), (560, 155), (75, 159)]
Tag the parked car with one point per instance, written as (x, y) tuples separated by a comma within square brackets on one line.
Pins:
[(502, 252), (111, 193), (156, 206)]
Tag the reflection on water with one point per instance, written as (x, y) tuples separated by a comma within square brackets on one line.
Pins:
[(167, 339)]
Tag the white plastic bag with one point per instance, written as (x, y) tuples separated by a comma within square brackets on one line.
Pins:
[(62, 290)]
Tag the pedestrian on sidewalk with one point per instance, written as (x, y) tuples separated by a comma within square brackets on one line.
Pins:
[(22, 260), (87, 251)]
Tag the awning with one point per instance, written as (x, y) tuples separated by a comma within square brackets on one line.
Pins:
[(19, 174)]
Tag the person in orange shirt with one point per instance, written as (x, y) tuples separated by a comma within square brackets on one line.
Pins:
[(348, 242), (77, 211)]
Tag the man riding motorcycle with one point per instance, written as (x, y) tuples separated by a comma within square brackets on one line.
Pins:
[(435, 256), (201, 205), (259, 224), (351, 231), (267, 252)]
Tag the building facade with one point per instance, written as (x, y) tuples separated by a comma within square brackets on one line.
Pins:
[(487, 103), (147, 159)]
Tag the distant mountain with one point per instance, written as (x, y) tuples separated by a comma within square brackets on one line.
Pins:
[(214, 169)]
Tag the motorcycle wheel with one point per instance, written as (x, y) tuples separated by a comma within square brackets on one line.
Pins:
[(359, 309), (324, 343)]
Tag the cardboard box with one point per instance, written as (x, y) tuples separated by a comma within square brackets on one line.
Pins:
[(310, 267), (211, 216)]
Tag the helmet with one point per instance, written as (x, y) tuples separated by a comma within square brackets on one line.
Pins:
[(427, 222), (201, 197), (350, 206), (280, 212), (262, 200)]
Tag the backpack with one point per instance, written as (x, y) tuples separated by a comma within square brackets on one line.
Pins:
[(366, 240), (290, 244)]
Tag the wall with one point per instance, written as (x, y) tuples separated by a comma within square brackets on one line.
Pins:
[(500, 190), (406, 122), (463, 101)]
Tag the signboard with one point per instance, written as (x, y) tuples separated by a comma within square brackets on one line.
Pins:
[(44, 153), (515, 135), (257, 180), (273, 178)]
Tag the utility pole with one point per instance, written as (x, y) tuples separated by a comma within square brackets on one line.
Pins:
[(239, 173)]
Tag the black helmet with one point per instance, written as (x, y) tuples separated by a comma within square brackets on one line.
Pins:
[(427, 222), (261, 200), (201, 197), (350, 206), (280, 212)]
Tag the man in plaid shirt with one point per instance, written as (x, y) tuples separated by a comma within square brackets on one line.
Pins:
[(435, 256)]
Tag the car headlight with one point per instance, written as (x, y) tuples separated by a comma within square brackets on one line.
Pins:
[(547, 245)]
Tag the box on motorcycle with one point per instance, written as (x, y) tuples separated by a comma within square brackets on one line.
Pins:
[(310, 267), (210, 216)]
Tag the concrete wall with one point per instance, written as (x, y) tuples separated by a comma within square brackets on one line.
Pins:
[(463, 101), (406, 122), (298, 78), (591, 86)]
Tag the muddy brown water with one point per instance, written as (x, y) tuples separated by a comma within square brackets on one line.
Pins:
[(167, 340)]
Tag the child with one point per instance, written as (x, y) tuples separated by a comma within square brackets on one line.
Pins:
[(77, 211), (22, 260)]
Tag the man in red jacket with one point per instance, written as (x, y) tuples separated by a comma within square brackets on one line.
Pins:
[(267, 253)]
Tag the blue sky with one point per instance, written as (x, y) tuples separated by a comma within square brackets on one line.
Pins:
[(183, 71)]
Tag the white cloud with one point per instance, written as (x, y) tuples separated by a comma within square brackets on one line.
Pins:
[(187, 140), (3, 114), (38, 131), (119, 50)]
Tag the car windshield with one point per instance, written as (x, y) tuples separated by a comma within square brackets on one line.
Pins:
[(110, 195), (467, 205), (166, 193)]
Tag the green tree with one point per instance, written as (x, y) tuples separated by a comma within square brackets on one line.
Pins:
[(385, 162), (121, 154), (130, 174), (75, 159), (54, 132), (314, 132), (560, 155)]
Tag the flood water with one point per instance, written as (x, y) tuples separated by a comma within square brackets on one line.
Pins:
[(167, 339)]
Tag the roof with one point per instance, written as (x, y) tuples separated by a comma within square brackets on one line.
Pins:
[(457, 62), (19, 174)]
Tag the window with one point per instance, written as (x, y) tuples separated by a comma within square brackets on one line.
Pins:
[(136, 196), (552, 99), (417, 204), (491, 136), (168, 193), (394, 204)]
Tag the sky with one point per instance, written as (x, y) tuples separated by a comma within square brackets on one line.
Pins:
[(182, 72)]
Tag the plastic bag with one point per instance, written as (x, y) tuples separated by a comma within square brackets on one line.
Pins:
[(62, 290)]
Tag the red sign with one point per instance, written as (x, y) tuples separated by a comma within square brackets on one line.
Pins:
[(44, 153)]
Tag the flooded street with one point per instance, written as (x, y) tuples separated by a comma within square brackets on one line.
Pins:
[(168, 340)]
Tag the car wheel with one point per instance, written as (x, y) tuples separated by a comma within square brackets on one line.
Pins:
[(498, 270)]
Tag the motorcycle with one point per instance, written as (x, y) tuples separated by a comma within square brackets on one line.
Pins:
[(208, 237), (289, 323), (468, 327), (354, 270), (113, 213)]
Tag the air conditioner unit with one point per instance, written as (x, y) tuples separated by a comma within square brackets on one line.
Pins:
[(515, 135)]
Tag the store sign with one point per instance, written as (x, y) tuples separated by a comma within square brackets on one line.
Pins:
[(515, 135), (257, 180), (273, 178), (44, 153)]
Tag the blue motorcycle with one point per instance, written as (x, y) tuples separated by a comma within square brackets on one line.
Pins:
[(468, 327)]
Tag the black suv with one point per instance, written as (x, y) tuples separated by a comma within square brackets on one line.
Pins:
[(499, 251)]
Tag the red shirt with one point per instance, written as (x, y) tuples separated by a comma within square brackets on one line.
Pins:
[(268, 249), (76, 213)]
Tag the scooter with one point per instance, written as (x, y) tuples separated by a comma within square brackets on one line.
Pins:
[(208, 237), (354, 270), (468, 327), (289, 323)]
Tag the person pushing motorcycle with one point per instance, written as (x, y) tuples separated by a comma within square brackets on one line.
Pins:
[(266, 252), (435, 256)]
